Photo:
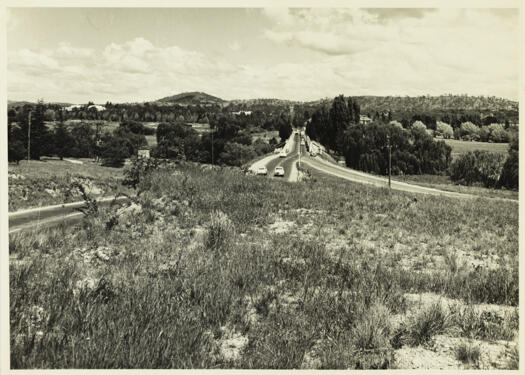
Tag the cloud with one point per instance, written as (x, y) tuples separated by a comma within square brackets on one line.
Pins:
[(234, 46), (347, 51), (387, 14)]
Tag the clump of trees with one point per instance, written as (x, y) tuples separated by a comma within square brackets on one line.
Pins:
[(226, 143), (488, 169), (364, 147), (478, 166), (414, 151)]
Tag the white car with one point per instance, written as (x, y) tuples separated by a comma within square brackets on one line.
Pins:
[(279, 171), (262, 171), (282, 154)]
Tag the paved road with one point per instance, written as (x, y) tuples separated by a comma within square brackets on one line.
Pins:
[(35, 218), (288, 163), (325, 166)]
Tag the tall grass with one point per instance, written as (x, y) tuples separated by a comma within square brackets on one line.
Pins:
[(200, 262)]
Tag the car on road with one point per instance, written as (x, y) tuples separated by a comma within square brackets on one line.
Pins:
[(262, 171), (302, 142), (282, 154), (278, 171)]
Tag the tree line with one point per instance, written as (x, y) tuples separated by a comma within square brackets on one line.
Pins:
[(228, 142), (365, 147)]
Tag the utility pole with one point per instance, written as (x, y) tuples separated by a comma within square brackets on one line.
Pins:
[(29, 137), (389, 146), (212, 131), (299, 149)]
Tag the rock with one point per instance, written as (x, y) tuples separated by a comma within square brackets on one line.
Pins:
[(132, 209), (51, 192)]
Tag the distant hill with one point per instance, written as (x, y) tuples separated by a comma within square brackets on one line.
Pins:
[(192, 98), (21, 103), (406, 106)]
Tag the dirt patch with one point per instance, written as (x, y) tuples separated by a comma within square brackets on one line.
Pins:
[(418, 301), (231, 344), (281, 226)]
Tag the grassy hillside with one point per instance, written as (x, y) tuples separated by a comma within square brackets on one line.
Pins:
[(210, 268), (48, 181)]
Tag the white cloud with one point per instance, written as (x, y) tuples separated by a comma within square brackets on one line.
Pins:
[(353, 52), (443, 49), (234, 46)]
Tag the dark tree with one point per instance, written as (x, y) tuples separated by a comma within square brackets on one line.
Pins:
[(62, 140), (285, 130)]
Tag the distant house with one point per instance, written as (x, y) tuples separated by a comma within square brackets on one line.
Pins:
[(247, 113), (143, 152), (364, 120), (99, 108)]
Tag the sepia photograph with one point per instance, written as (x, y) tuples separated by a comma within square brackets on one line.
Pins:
[(292, 187)]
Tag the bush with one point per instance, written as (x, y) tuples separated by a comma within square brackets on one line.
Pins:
[(220, 232), (468, 353), (428, 322), (138, 169), (373, 330)]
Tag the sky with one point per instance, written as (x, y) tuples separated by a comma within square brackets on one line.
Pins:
[(76, 55)]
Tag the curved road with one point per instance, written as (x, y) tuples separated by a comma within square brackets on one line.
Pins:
[(325, 166)]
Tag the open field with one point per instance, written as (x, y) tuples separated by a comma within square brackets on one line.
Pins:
[(214, 269), (461, 147), (265, 136), (48, 181)]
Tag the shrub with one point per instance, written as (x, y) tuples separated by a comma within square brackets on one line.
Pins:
[(220, 232), (138, 169), (430, 321), (468, 353), (373, 330)]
